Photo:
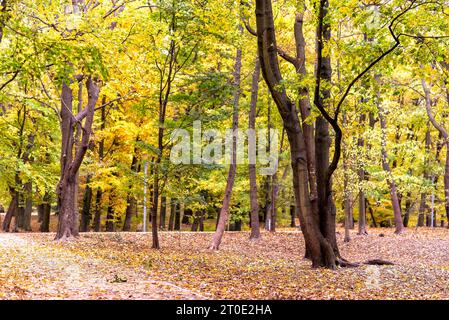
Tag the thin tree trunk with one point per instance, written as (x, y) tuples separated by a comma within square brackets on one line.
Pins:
[(99, 195), (408, 208), (371, 212), (361, 174), (198, 215), (386, 166), (422, 203), (233, 165), (171, 218), (86, 215), (347, 200), (202, 220), (131, 201), (443, 132), (110, 216), (254, 205), (163, 212), (46, 208), (177, 212), (292, 216)]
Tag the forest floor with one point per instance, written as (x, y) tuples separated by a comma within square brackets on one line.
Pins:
[(123, 266)]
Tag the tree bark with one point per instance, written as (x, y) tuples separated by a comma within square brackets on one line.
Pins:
[(177, 217), (361, 174), (163, 212), (86, 215), (70, 163), (386, 166), (292, 216), (445, 135), (171, 218), (321, 251), (326, 206), (254, 205), (408, 208), (110, 215), (188, 213), (99, 195), (131, 201), (223, 218), (12, 209), (347, 195), (46, 210)]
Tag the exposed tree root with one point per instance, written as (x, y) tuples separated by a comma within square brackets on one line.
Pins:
[(379, 262), (346, 264)]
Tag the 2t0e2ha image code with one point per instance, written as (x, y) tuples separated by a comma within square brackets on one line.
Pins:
[(226, 309)]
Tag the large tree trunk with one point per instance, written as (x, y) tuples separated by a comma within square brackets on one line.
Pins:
[(320, 249), (70, 163), (326, 206), (224, 212), (254, 205)]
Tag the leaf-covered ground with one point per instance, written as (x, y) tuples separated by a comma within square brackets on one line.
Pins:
[(123, 266)]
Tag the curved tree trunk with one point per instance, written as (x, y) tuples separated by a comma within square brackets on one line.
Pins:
[(224, 212), (443, 132), (320, 249)]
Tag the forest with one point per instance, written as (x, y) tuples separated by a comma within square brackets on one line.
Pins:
[(223, 149)]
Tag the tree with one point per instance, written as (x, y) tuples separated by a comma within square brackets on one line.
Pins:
[(224, 211), (71, 159), (255, 232)]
